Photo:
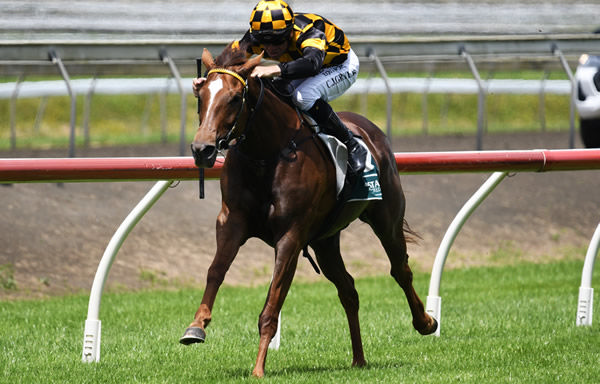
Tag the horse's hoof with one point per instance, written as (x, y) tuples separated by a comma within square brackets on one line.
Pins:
[(431, 329), (435, 326), (193, 335), (359, 363)]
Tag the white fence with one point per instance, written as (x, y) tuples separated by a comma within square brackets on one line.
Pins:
[(113, 86), (158, 57), (501, 162)]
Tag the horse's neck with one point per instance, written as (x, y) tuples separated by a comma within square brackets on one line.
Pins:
[(275, 123)]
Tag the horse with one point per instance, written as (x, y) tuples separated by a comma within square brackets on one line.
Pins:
[(278, 185)]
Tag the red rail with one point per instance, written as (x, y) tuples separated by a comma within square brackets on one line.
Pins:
[(537, 160), (183, 168), (102, 169)]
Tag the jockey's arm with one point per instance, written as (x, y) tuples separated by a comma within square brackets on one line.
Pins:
[(306, 66)]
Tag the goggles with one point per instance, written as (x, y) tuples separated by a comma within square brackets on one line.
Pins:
[(272, 37)]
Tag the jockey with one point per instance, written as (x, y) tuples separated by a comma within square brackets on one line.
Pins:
[(314, 55)]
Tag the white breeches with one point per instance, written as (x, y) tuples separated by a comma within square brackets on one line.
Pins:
[(328, 84)]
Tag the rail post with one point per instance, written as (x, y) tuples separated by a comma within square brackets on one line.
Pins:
[(165, 58), (586, 292), (91, 333), (40, 114), (162, 105), (558, 53), (13, 112), (55, 59), (462, 51), (424, 105), (373, 56), (542, 101), (434, 301), (87, 106)]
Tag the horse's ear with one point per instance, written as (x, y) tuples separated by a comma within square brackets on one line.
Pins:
[(250, 64), (207, 59)]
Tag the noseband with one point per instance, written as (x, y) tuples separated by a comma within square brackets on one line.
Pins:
[(223, 143)]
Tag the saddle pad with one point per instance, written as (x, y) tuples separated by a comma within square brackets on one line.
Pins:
[(368, 187)]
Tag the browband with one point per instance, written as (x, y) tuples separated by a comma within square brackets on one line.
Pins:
[(227, 71)]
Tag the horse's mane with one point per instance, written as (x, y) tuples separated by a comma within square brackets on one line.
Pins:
[(232, 56)]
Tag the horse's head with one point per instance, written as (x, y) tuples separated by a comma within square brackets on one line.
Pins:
[(222, 101)]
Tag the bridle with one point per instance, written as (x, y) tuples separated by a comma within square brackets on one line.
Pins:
[(223, 143), (288, 153)]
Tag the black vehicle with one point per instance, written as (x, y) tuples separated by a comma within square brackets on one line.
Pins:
[(587, 101)]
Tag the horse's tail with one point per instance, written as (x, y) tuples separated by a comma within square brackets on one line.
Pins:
[(409, 235)]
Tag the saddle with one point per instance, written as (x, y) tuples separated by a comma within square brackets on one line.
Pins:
[(348, 187), (365, 187)]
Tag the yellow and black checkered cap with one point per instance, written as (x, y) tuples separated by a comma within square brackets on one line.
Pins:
[(271, 16)]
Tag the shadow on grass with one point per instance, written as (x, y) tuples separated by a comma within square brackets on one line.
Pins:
[(318, 367)]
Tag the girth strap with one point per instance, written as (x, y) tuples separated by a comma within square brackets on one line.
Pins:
[(306, 254)]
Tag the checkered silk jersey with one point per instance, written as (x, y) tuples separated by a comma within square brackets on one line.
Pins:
[(309, 30)]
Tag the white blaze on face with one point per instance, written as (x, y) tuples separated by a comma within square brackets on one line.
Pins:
[(214, 87)]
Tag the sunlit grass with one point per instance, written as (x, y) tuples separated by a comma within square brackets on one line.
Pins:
[(451, 114), (499, 324)]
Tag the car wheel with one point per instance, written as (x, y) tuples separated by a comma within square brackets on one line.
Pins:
[(590, 132)]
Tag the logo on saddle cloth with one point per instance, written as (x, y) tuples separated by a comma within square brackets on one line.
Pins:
[(367, 187)]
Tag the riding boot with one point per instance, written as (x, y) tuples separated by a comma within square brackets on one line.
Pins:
[(329, 121)]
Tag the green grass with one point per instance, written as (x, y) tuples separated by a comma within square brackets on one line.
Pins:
[(113, 120), (136, 119), (451, 114), (500, 324)]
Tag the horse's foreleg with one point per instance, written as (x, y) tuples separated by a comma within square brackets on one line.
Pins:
[(330, 260), (216, 273), (286, 260), (229, 240)]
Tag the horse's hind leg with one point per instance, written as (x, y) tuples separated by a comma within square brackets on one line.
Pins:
[(330, 260), (387, 221)]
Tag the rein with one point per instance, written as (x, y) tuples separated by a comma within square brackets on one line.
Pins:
[(233, 132)]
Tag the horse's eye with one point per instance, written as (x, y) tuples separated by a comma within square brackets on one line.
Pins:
[(236, 99)]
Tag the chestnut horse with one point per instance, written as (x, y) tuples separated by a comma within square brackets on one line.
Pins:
[(278, 185)]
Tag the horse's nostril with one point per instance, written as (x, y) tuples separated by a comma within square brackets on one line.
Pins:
[(198, 148), (204, 155)]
